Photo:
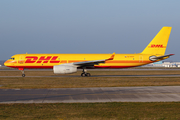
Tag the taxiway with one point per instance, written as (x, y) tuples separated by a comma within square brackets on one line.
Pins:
[(90, 95)]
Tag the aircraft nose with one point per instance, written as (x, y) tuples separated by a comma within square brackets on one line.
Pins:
[(9, 62), (6, 63)]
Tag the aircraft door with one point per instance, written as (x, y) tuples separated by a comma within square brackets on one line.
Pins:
[(141, 59), (21, 59)]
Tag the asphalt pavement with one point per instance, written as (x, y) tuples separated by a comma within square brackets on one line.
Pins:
[(91, 95)]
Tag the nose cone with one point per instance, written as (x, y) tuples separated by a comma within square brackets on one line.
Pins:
[(6, 63), (9, 63)]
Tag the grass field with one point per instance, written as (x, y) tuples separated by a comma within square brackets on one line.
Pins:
[(54, 81), (118, 72), (91, 111)]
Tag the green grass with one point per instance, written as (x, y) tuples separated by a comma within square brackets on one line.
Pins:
[(79, 82), (92, 111)]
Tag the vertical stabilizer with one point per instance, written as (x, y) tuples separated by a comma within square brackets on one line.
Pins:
[(159, 43)]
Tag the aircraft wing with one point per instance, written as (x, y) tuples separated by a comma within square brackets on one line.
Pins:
[(93, 62), (154, 58)]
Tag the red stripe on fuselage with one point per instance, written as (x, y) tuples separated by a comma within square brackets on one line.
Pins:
[(32, 67), (51, 67)]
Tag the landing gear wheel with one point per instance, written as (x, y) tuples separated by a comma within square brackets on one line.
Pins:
[(23, 75), (83, 74), (88, 74)]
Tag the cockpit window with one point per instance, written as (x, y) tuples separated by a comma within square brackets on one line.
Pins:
[(12, 58)]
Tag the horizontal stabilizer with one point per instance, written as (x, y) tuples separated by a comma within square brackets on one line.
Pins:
[(154, 58)]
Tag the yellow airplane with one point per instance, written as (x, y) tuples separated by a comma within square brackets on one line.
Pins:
[(69, 63)]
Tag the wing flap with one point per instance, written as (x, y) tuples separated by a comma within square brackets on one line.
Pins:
[(93, 62)]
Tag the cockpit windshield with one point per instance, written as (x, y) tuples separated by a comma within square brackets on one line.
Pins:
[(12, 58)]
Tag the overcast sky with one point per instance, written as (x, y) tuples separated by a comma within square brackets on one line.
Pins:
[(86, 26)]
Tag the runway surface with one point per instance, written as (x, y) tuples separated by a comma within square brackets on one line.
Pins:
[(98, 76), (90, 95)]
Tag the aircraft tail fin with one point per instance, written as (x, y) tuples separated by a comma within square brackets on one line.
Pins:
[(159, 42)]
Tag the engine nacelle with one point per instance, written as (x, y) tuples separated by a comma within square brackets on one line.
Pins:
[(64, 69)]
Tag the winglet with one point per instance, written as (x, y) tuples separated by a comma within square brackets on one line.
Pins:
[(112, 57)]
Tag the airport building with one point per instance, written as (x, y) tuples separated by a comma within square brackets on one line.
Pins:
[(163, 64)]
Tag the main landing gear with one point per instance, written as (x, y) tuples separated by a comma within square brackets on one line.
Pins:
[(84, 74)]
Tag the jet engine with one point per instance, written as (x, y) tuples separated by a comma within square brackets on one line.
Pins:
[(64, 69)]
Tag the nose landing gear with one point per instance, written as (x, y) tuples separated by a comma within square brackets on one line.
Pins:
[(22, 70), (23, 75)]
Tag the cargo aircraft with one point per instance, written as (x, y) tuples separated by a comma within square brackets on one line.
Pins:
[(69, 63)]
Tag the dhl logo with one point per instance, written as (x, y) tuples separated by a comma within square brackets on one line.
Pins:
[(42, 59), (157, 46)]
